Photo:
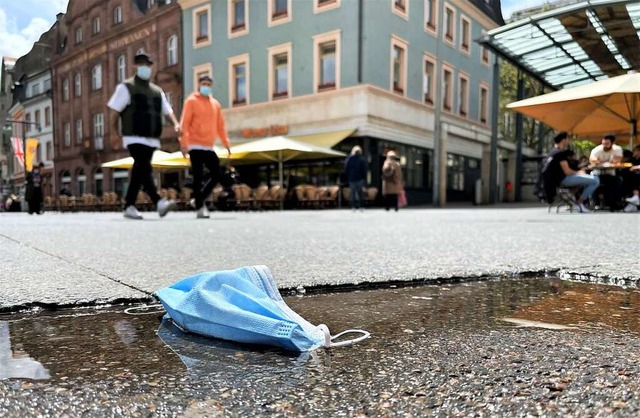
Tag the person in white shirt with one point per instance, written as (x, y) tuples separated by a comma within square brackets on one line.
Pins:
[(608, 152), (140, 105)]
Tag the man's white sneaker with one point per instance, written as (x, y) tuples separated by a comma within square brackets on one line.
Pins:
[(203, 213), (583, 208), (192, 203), (164, 206), (132, 213), (634, 200), (630, 208)]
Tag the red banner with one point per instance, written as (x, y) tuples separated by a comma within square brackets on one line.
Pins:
[(18, 151)]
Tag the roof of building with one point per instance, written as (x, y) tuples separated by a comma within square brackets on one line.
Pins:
[(575, 44)]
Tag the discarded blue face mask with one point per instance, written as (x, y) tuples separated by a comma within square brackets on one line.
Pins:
[(244, 305)]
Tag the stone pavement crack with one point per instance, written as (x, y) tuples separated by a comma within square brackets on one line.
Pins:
[(99, 273)]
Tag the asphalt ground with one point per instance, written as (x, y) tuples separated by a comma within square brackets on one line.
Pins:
[(519, 347), (71, 259)]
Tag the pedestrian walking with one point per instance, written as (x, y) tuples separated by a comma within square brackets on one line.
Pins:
[(33, 194), (140, 105), (355, 169), (391, 181), (202, 124)]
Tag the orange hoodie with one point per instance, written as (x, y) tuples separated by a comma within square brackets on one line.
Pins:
[(202, 122)]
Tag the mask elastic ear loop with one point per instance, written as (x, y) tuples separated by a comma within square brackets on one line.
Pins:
[(328, 339)]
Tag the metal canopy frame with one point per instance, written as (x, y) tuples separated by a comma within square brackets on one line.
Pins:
[(572, 45)]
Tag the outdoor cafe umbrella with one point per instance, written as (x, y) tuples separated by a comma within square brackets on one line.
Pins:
[(280, 149), (609, 105), (177, 160), (127, 162)]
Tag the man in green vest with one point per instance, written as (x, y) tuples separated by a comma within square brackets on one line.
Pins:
[(140, 105)]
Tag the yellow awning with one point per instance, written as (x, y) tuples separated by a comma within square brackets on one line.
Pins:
[(325, 139)]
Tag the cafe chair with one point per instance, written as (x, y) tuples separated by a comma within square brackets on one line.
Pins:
[(565, 198)]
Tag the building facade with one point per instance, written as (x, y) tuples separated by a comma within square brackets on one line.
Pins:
[(96, 44), (388, 74), (6, 151), (30, 114)]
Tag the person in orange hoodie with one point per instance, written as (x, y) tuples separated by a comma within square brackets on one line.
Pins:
[(202, 124)]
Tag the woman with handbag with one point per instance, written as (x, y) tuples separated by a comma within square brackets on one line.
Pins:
[(392, 184)]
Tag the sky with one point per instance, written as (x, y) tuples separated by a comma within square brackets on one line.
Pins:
[(23, 21)]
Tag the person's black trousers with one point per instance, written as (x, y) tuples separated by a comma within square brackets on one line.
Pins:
[(612, 188), (141, 174), (35, 202), (203, 184), (391, 201)]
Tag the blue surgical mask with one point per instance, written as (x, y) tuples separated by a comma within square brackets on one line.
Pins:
[(143, 72), (243, 305), (205, 90)]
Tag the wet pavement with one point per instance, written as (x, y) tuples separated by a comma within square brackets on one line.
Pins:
[(95, 258), (507, 347)]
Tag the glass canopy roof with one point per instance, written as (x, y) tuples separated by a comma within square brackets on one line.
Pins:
[(575, 44)]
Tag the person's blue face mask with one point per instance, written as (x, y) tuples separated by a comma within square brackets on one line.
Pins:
[(143, 72), (243, 305), (205, 90)]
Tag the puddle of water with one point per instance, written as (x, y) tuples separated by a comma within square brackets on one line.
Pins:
[(82, 345)]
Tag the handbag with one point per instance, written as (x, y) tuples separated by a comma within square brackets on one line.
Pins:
[(402, 199)]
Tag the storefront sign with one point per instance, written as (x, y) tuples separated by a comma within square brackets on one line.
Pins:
[(101, 49), (273, 130), (132, 37)]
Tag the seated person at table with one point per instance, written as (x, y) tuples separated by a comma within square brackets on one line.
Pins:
[(608, 153), (633, 179), (557, 173)]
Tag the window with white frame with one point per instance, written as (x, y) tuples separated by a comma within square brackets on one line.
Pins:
[(281, 75), (398, 65), (484, 104), (324, 5), (121, 68), (117, 15), (47, 116), (96, 77), (65, 89), (49, 151), (78, 35), (240, 83), (326, 59), (279, 9), (485, 55), (66, 128), (431, 15), (465, 34), (172, 50), (429, 80), (78, 85), (238, 15), (37, 126), (447, 87), (201, 32), (47, 84), (35, 89), (199, 71), (79, 132), (95, 25), (279, 12), (98, 131), (449, 23), (463, 95), (280, 71), (401, 8)]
